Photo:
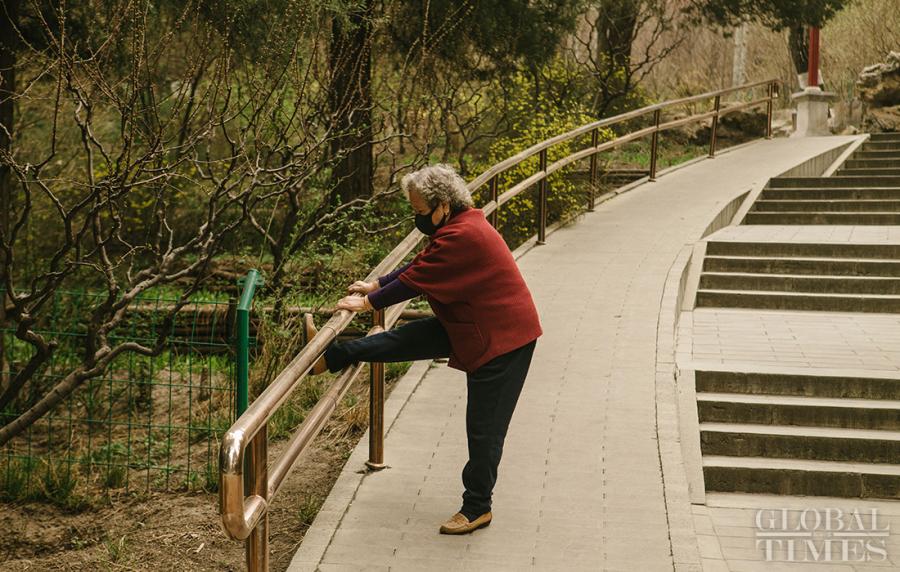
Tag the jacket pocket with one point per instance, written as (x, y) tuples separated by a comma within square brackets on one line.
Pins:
[(466, 339)]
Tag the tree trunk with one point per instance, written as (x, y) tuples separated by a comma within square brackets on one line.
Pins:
[(616, 21), (739, 61), (351, 103), (8, 45), (53, 398)]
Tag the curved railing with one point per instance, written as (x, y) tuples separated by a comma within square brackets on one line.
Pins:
[(244, 502)]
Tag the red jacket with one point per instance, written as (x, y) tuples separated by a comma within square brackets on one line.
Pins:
[(475, 289)]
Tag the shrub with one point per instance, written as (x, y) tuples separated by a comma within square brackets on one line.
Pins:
[(534, 118)]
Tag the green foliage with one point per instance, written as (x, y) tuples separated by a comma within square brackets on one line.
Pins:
[(110, 460), (395, 370), (776, 14), (16, 476), (484, 36), (618, 92), (116, 549), (554, 110), (285, 420), (58, 485), (31, 479), (309, 508), (211, 475)]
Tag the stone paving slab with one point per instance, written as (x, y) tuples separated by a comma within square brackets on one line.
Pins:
[(828, 340), (817, 233), (580, 485), (732, 539)]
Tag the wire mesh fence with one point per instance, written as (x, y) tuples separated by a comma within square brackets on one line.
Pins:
[(148, 423)]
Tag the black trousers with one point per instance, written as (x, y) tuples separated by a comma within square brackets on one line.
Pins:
[(493, 391)]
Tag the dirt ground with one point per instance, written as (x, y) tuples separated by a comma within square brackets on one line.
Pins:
[(163, 532)]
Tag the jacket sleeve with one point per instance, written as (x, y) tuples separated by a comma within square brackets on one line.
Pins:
[(389, 295), (391, 276)]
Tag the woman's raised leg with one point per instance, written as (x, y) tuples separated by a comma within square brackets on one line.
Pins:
[(416, 340)]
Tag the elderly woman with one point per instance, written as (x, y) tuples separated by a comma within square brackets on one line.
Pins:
[(485, 322)]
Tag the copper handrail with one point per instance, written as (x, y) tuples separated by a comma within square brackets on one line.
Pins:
[(537, 147), (244, 514)]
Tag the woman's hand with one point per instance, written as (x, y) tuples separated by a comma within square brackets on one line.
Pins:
[(363, 287), (354, 303)]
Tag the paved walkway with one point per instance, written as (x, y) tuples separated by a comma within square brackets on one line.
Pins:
[(580, 485)]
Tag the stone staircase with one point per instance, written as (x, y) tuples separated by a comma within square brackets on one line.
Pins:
[(815, 434), (801, 276), (799, 434), (864, 190)]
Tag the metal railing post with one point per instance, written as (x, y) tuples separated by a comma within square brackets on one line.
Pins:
[(715, 127), (494, 194), (654, 143), (257, 544), (769, 103), (542, 201), (376, 405), (595, 138)]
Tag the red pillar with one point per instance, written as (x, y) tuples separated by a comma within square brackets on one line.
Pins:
[(813, 71)]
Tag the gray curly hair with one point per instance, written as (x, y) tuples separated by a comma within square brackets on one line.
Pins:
[(438, 183)]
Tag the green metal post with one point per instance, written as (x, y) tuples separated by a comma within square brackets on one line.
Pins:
[(242, 340)]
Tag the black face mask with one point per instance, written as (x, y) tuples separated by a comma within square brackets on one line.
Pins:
[(425, 224)]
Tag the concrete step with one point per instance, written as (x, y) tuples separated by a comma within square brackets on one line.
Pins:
[(798, 301), (879, 193), (832, 182), (875, 154), (819, 217), (809, 265), (826, 205), (880, 137), (800, 283), (785, 384), (868, 172), (802, 249), (877, 145), (798, 477), (880, 163), (792, 442), (799, 411)]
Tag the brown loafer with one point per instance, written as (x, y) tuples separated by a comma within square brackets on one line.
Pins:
[(309, 332), (459, 524)]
